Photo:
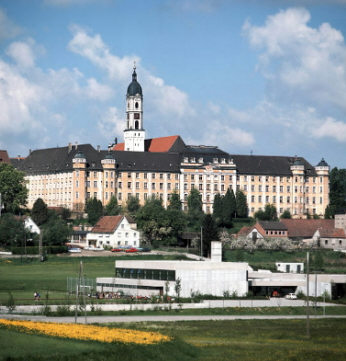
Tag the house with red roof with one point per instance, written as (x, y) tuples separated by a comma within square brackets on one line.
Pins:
[(114, 231), (264, 229)]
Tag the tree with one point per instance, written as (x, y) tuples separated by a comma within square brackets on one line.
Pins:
[(174, 202), (269, 213), (12, 230), (12, 188), (175, 216), (218, 209), (318, 261), (113, 208), (286, 214), (177, 288), (210, 233), (39, 212), (194, 210), (229, 208), (94, 209), (152, 220), (337, 191), (56, 232), (242, 209), (133, 206)]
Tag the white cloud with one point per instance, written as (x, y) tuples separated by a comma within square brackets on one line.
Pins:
[(331, 128), (7, 28), (24, 53), (302, 64), (165, 99), (112, 123)]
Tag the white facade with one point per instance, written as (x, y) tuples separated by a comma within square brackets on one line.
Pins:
[(125, 235), (31, 226), (212, 278), (290, 267)]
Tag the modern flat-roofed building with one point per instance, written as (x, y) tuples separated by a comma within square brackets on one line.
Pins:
[(138, 167), (207, 277)]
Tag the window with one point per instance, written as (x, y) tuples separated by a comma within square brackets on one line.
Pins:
[(119, 196), (169, 186), (152, 185), (245, 187), (200, 187), (136, 105), (161, 175), (267, 188), (88, 183), (252, 188), (137, 175), (137, 185), (136, 116), (161, 185), (145, 175), (128, 174), (168, 175), (153, 176), (260, 188), (260, 199), (128, 185), (252, 198), (274, 188), (95, 184), (120, 185)]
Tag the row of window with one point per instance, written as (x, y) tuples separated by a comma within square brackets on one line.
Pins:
[(145, 274), (153, 175), (288, 199)]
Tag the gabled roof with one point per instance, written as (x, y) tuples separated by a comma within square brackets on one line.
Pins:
[(272, 226), (4, 157), (305, 228), (159, 145), (244, 231), (332, 233), (108, 224)]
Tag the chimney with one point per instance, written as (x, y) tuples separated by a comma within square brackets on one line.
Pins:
[(69, 147), (98, 148), (115, 141), (30, 151), (76, 145)]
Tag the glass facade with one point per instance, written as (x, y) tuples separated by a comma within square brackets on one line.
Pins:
[(145, 274)]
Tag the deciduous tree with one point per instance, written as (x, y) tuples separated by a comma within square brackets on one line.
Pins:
[(12, 188)]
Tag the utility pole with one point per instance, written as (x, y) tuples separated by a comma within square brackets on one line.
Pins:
[(201, 241), (40, 245), (0, 205), (307, 296)]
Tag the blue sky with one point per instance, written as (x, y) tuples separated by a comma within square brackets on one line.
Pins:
[(260, 76)]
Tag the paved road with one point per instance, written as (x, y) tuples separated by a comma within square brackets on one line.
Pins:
[(121, 319)]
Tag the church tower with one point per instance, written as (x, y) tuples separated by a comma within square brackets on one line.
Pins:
[(134, 134)]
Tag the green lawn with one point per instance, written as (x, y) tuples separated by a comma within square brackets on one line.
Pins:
[(334, 262), (24, 278), (201, 341)]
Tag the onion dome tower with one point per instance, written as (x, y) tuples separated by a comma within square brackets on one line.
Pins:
[(134, 134)]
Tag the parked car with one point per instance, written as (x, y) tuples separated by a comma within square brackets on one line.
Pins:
[(92, 248), (117, 250), (74, 250), (145, 249), (291, 296), (131, 250)]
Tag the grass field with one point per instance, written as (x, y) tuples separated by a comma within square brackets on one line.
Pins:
[(334, 262), (201, 341), (23, 278)]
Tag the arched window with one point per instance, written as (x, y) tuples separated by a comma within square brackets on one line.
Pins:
[(136, 105), (136, 124)]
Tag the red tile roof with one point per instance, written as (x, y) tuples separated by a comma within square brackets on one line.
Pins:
[(4, 157), (107, 224), (155, 145), (305, 228), (332, 233), (244, 231)]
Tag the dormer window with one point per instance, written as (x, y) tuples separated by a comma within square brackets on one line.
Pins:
[(215, 160), (223, 160), (200, 160), (186, 159), (193, 160)]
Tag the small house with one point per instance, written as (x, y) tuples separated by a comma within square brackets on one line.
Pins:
[(114, 231)]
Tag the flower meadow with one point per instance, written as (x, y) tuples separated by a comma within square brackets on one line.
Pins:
[(86, 332)]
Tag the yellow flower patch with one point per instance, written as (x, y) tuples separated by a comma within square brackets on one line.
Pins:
[(86, 332)]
